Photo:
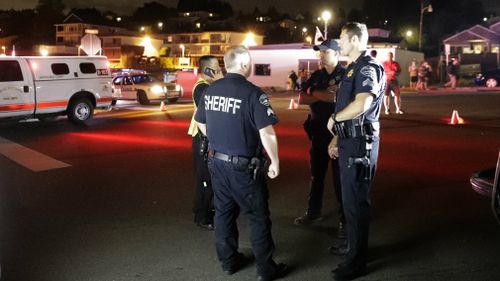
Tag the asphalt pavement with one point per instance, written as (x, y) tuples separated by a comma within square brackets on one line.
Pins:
[(120, 209)]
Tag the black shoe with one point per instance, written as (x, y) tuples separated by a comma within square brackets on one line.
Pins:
[(281, 270), (206, 226), (241, 262), (338, 250), (348, 272), (307, 219)]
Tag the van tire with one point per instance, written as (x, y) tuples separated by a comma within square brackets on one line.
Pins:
[(142, 98), (80, 111), (172, 100)]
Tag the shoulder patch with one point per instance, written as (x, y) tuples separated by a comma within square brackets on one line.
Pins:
[(264, 100), (369, 72)]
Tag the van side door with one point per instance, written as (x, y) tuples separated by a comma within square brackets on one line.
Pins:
[(17, 92)]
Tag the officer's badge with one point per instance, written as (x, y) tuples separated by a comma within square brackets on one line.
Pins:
[(264, 100), (349, 74), (332, 82)]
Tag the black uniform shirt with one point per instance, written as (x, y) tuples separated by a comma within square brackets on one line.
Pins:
[(198, 92), (320, 110), (234, 111), (365, 75)]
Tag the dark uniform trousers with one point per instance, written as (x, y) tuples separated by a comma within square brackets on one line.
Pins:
[(355, 194), (319, 160), (203, 200), (236, 191)]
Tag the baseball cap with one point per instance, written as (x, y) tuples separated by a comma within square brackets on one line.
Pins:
[(328, 44)]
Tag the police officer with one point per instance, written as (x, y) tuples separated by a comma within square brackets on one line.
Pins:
[(320, 90), (238, 120), (356, 143), (203, 207)]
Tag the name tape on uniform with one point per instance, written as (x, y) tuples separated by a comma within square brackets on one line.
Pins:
[(222, 104)]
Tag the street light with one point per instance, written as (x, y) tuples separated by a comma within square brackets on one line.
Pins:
[(309, 40), (304, 29), (160, 25), (326, 15), (422, 11), (409, 33)]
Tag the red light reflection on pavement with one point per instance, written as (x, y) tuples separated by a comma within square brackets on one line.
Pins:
[(146, 140), (290, 132), (175, 124)]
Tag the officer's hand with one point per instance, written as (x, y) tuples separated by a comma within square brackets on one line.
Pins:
[(273, 171), (333, 149), (330, 125), (218, 75)]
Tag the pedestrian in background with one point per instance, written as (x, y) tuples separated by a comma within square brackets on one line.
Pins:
[(452, 70), (293, 80), (203, 200), (319, 92), (424, 74), (356, 143), (413, 73), (238, 120), (392, 71)]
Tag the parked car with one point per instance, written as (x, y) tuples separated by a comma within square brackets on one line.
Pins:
[(144, 87), (489, 78), (487, 182)]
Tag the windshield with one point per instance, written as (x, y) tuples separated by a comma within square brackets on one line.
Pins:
[(143, 78)]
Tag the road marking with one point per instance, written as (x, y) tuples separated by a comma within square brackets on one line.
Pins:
[(29, 158)]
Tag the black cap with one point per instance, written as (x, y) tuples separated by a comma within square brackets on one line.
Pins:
[(328, 44)]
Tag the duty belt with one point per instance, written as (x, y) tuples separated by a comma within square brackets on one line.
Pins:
[(355, 128), (238, 160)]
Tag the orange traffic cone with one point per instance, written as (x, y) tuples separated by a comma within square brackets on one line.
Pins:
[(293, 105), (455, 118), (163, 106)]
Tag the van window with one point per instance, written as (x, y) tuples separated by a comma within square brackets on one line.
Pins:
[(60, 68), (10, 70), (87, 68)]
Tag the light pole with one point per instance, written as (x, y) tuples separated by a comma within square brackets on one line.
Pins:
[(423, 9), (326, 15)]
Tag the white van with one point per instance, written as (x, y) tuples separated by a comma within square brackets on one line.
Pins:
[(45, 87)]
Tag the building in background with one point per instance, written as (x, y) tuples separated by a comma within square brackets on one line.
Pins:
[(272, 63), (182, 50)]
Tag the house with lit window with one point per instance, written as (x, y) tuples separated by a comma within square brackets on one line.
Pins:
[(475, 40), (120, 45)]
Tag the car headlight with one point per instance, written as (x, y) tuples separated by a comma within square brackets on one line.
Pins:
[(157, 90), (177, 87)]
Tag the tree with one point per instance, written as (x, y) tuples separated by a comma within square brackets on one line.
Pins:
[(49, 12)]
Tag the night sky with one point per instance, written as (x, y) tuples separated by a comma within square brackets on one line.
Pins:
[(286, 5)]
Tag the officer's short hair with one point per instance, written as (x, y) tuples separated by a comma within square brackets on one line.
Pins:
[(236, 55), (205, 62), (358, 29)]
